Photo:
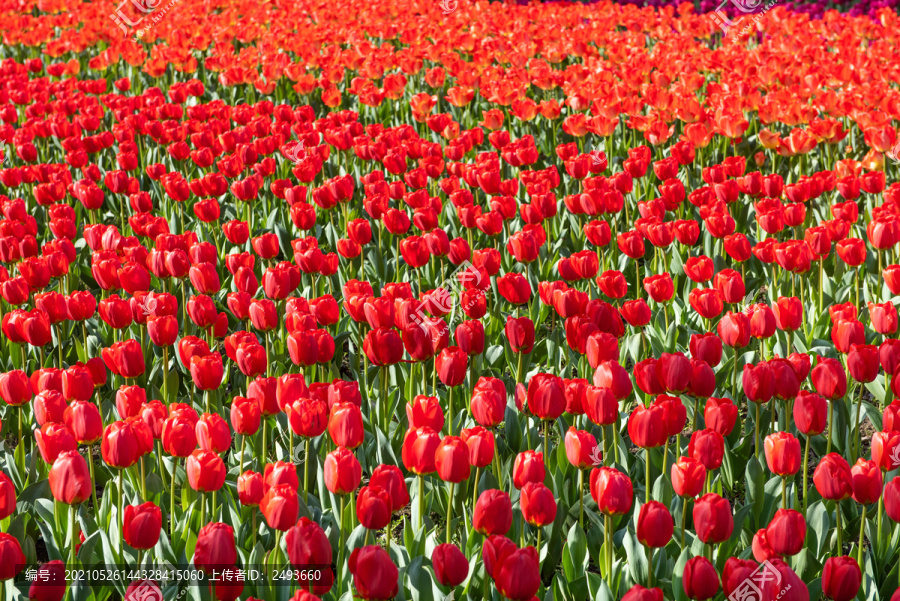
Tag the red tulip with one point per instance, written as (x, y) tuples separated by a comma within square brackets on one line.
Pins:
[(374, 573), (342, 471), (841, 578), (832, 478), (142, 525), (782, 451), (612, 491), (713, 519), (205, 471), (786, 532), (538, 504), (492, 513), (700, 579), (70, 478), (655, 525), (451, 568)]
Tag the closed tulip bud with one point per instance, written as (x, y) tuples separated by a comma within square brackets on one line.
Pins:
[(889, 355), (713, 519), (538, 504), (245, 416), (179, 436), (374, 574), (758, 382), (707, 447), (782, 451), (636, 312), (610, 374), (581, 448), (655, 525), (215, 547), (119, 446), (600, 405), (674, 371), (612, 490), (345, 425), (49, 582), (706, 347), (213, 433), (720, 415), (762, 321), (383, 346), (829, 378), (205, 471), (810, 413), (646, 376), (7, 496), (885, 451), (528, 467), (688, 476), (647, 427), (517, 575), (832, 478), (489, 401), (452, 460), (867, 482), (492, 513), (451, 365), (700, 579), (70, 478), (660, 287), (883, 317), (846, 333), (520, 334), (418, 450), (841, 578), (863, 362), (15, 388), (12, 560), (480, 443), (788, 313), (470, 337), (639, 593), (342, 471), (83, 420), (892, 499), (734, 329), (390, 478), (546, 396), (786, 532), (280, 506), (280, 473), (207, 371), (760, 546), (142, 526), (250, 488), (451, 568)]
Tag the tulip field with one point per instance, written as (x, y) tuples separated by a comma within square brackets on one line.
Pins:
[(435, 300)]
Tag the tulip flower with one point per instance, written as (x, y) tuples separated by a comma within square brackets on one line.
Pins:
[(700, 579), (451, 568), (374, 573), (654, 530), (841, 578)]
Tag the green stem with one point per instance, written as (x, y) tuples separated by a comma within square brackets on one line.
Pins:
[(784, 492), (855, 440), (121, 515), (684, 509), (805, 477), (450, 509), (450, 410), (421, 501), (581, 498), (90, 455), (650, 568), (862, 537), (830, 419), (306, 474), (647, 470), (172, 499), (840, 536)]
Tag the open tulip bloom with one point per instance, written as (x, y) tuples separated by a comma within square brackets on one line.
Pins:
[(382, 304)]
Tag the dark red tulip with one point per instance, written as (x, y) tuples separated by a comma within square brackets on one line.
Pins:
[(142, 525), (611, 490), (700, 579), (786, 532), (655, 525), (841, 578), (713, 519), (451, 568), (707, 447), (374, 574)]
